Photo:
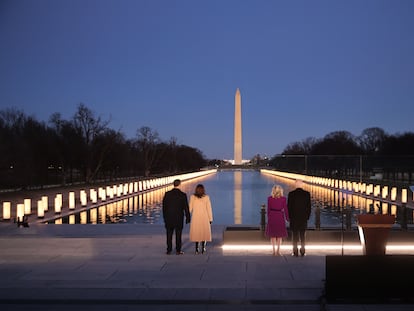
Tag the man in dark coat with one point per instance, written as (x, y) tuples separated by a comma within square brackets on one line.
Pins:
[(299, 208), (174, 207)]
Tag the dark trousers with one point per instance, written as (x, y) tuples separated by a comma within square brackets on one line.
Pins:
[(296, 235), (178, 233)]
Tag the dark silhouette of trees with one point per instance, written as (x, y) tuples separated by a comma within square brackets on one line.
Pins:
[(337, 143), (189, 158), (342, 154), (301, 147), (67, 143), (86, 149), (119, 160), (83, 149), (399, 162), (150, 148), (400, 144), (22, 136), (95, 140), (372, 140), (171, 153)]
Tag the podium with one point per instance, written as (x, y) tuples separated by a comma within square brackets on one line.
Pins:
[(373, 232)]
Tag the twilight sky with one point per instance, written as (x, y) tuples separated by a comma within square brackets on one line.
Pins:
[(304, 68)]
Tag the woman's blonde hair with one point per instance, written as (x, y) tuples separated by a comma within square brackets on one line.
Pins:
[(277, 191)]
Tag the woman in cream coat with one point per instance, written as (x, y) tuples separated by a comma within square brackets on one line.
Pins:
[(201, 218)]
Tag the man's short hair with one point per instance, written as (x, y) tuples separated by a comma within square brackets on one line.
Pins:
[(176, 182), (299, 183)]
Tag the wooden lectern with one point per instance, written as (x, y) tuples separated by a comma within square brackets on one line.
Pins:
[(373, 232)]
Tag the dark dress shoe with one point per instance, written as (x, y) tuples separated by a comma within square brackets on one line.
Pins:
[(180, 253), (295, 254), (168, 252)]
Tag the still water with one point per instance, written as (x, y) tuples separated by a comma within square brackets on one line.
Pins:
[(236, 198)]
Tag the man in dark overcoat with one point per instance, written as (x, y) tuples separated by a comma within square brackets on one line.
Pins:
[(299, 208), (174, 208)]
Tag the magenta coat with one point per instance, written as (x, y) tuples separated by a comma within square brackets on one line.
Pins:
[(277, 214)]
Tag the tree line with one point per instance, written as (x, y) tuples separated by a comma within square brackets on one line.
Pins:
[(344, 154), (372, 141), (83, 149)]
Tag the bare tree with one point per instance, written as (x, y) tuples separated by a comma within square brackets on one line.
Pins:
[(301, 147), (148, 143), (372, 140), (337, 143), (90, 129)]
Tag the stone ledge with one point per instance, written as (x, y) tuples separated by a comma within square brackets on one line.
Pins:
[(254, 235)]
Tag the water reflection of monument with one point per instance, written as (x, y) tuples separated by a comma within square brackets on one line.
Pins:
[(238, 197), (249, 190)]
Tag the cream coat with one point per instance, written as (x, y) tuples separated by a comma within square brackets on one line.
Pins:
[(201, 216)]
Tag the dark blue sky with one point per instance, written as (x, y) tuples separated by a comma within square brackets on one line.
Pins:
[(304, 68)]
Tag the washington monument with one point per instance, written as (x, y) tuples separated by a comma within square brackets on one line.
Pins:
[(237, 129)]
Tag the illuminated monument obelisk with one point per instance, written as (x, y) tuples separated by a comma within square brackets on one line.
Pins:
[(237, 129)]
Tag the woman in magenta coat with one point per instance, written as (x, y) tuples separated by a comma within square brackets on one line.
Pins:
[(277, 215)]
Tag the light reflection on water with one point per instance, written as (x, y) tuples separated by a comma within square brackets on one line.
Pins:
[(236, 198)]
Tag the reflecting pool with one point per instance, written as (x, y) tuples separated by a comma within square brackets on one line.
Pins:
[(236, 197)]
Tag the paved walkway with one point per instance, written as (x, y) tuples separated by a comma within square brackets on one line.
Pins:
[(124, 267)]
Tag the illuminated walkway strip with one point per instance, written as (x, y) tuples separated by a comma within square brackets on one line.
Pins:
[(312, 247), (386, 193), (96, 196)]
